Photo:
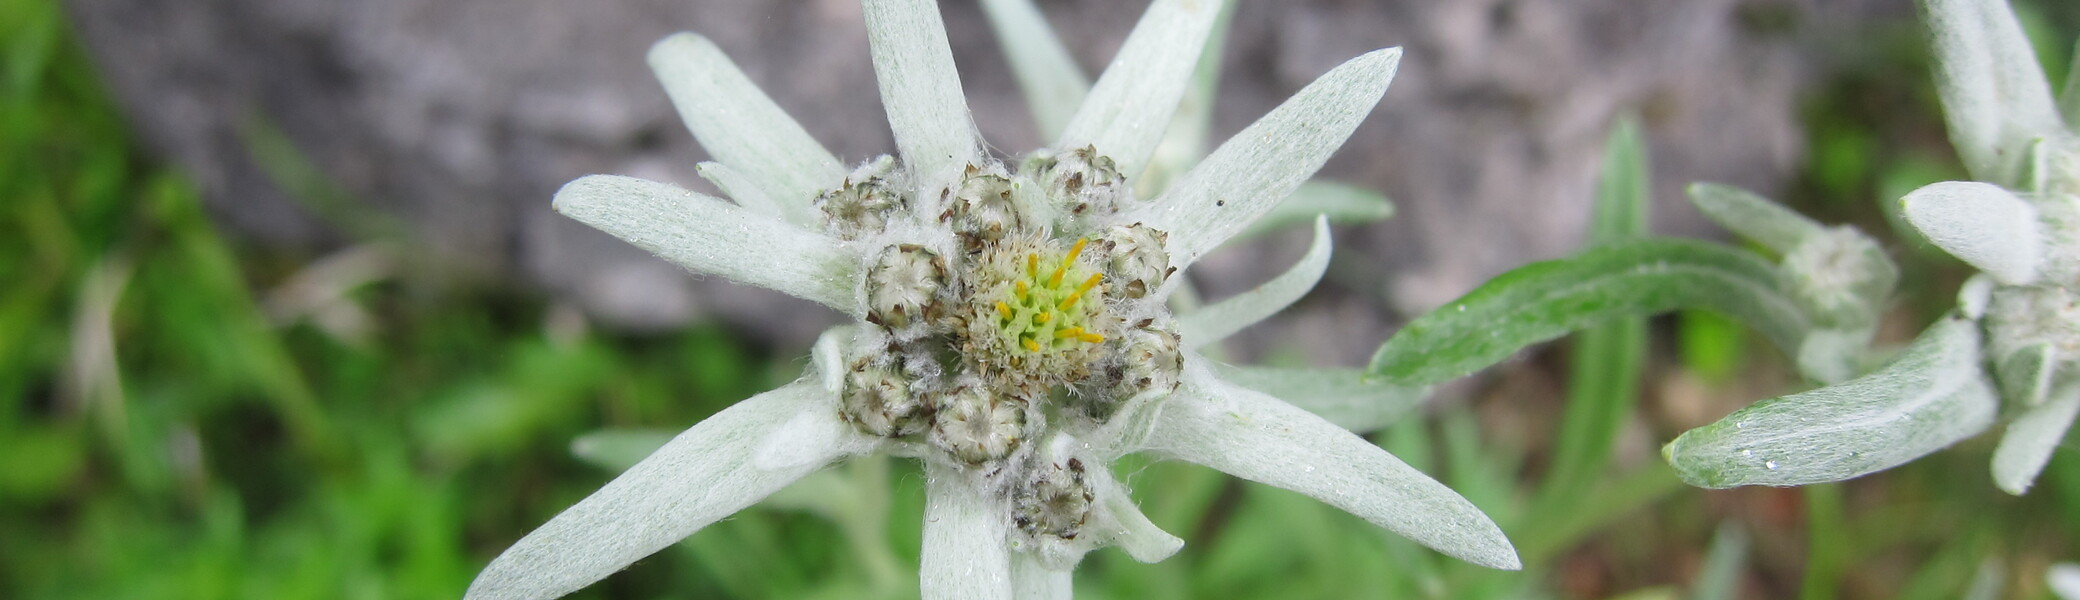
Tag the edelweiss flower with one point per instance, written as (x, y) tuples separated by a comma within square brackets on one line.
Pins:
[(2019, 224), (1012, 331)]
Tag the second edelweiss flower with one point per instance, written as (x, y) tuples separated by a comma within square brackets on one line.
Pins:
[(1012, 332)]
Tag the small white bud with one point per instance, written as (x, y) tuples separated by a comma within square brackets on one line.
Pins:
[(1148, 359), (1054, 502), (863, 204), (1081, 182), (977, 426), (1137, 263), (903, 287), (878, 401), (1841, 275), (983, 208)]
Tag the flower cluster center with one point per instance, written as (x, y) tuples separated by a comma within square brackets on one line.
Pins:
[(1052, 307)]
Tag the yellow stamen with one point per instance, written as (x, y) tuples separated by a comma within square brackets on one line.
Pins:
[(1003, 309), (1078, 294), (1019, 289), (1032, 346), (1075, 250), (1068, 333), (1042, 317), (1091, 337), (1032, 265)]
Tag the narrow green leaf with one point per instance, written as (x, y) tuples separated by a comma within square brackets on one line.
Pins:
[(1827, 542), (1933, 395), (1623, 191), (1603, 383), (1753, 217), (1723, 563), (1545, 300)]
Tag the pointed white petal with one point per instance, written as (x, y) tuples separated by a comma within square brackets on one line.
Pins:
[(741, 189), (1128, 528), (1974, 295), (701, 476), (1131, 104), (808, 440), (827, 356), (743, 128), (964, 555), (1257, 437), (706, 235), (1340, 395), (618, 449), (2064, 578), (1994, 93), (2029, 441), (920, 89), (1184, 141), (1264, 163), (1217, 321), (1053, 84), (1980, 224), (1343, 203), (1031, 580)]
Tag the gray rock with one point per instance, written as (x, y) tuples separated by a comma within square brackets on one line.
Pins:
[(457, 119)]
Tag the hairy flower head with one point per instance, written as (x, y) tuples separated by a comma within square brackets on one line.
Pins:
[(1012, 331)]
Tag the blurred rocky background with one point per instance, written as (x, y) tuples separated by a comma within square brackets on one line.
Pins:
[(315, 124)]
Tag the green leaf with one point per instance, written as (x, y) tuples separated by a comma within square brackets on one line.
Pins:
[(1933, 395), (1721, 576), (1623, 191), (1545, 300), (1753, 217), (1603, 383)]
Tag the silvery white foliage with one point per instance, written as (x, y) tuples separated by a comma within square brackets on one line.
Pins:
[(2019, 223), (2064, 580), (1012, 329), (1838, 275)]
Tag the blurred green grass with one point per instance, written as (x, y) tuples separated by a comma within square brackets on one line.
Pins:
[(169, 430)]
